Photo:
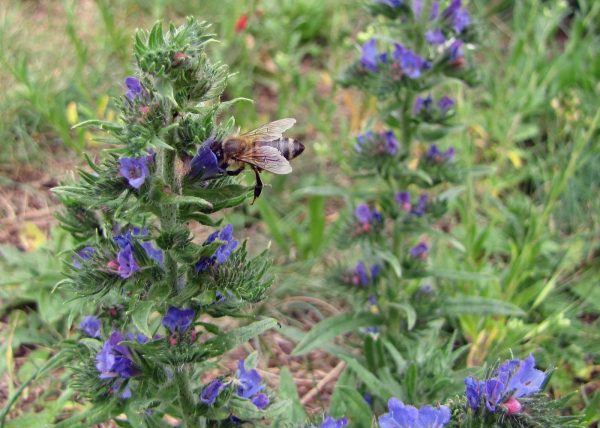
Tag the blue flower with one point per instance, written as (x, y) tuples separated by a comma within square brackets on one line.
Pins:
[(261, 401), (391, 144), (403, 199), (455, 52), (221, 254), (360, 272), (248, 381), (445, 103), (363, 140), (91, 326), (211, 391), (83, 254), (420, 250), (369, 58), (127, 265), (135, 170), (422, 104), (421, 206), (363, 214), (114, 360), (513, 379), (435, 155), (417, 7), (178, 319), (411, 64), (458, 15), (405, 416), (435, 37), (390, 3), (330, 422), (205, 164), (435, 10), (126, 239), (134, 88)]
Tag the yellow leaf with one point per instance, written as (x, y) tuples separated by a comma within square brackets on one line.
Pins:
[(102, 104), (32, 237), (515, 158), (72, 116)]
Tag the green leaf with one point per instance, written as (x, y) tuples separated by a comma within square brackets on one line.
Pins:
[(164, 87), (392, 260), (459, 276), (411, 315), (288, 391), (330, 327), (239, 336), (474, 305), (98, 124), (192, 200), (357, 410), (139, 316), (369, 379)]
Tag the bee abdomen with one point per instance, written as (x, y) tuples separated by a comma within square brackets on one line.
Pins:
[(288, 147)]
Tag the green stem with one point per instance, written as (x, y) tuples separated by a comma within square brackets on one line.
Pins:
[(187, 403), (168, 212), (406, 113)]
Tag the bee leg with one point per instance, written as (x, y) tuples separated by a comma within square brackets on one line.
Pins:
[(259, 184), (236, 171)]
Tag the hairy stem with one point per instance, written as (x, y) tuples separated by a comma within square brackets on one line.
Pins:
[(168, 212), (187, 403)]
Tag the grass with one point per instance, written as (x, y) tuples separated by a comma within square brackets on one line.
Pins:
[(528, 216)]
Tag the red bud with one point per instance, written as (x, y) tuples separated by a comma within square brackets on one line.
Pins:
[(512, 405), (241, 23)]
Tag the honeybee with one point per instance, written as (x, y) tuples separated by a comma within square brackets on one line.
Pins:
[(264, 148)]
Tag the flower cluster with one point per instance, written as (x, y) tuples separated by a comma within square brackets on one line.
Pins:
[(137, 260), (368, 218), (401, 415), (403, 199), (425, 110), (512, 380), (363, 277), (376, 144)]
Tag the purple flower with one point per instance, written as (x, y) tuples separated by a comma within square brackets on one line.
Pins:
[(420, 250), (435, 155), (361, 275), (458, 15), (126, 239), (261, 401), (248, 381), (114, 360), (513, 379), (372, 299), (211, 391), (127, 264), (91, 326), (403, 199), (445, 103), (205, 164), (364, 139), (369, 56), (456, 52), (421, 206), (411, 64), (401, 415), (435, 37), (391, 144), (435, 10), (134, 170), (221, 254), (330, 422), (134, 88), (390, 3), (178, 319), (363, 214), (422, 104), (417, 7), (375, 270), (83, 254)]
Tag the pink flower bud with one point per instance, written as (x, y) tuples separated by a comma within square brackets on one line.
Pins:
[(512, 405)]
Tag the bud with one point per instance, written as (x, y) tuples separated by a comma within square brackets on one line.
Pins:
[(512, 406)]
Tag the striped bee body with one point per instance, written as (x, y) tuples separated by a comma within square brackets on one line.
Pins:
[(288, 147)]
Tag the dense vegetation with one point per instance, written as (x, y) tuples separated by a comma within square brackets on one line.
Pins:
[(417, 246)]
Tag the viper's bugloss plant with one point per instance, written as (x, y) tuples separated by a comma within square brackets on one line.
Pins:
[(418, 50), (148, 347)]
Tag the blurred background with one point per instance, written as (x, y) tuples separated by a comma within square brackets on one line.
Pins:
[(529, 215)]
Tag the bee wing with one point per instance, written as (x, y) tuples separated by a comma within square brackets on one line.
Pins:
[(271, 131), (267, 158)]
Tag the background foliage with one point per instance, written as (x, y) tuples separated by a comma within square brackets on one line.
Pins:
[(528, 219)]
